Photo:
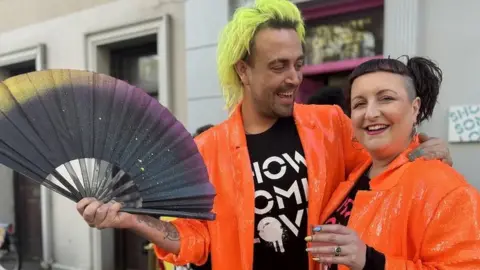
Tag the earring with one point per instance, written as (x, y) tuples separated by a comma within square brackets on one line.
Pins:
[(414, 129)]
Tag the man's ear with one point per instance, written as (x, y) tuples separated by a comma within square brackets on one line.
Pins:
[(241, 67)]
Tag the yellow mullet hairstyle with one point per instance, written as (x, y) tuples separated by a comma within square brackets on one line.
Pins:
[(234, 42)]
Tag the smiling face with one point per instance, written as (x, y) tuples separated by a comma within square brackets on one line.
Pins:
[(272, 75), (383, 112)]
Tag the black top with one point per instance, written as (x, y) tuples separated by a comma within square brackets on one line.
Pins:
[(280, 178), (375, 260), (342, 214), (206, 266)]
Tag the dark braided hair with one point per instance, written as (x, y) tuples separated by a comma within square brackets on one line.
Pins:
[(423, 80)]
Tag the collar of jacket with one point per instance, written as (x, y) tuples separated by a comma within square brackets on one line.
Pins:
[(383, 181), (237, 131)]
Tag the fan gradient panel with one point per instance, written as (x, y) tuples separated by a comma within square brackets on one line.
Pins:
[(84, 134)]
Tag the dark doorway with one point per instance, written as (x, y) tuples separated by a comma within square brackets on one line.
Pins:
[(135, 62), (28, 216), (28, 212), (312, 83)]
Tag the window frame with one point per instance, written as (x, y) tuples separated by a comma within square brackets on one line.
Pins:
[(37, 53), (97, 59)]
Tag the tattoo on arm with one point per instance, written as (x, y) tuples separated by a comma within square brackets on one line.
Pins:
[(168, 229)]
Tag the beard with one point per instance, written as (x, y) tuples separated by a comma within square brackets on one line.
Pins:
[(283, 106), (270, 105), (283, 111)]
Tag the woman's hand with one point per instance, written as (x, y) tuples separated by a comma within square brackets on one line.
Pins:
[(337, 245)]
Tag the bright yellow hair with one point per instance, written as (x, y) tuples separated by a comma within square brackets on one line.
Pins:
[(236, 38)]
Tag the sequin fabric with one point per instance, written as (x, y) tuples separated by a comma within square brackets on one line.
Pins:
[(421, 215), (330, 155)]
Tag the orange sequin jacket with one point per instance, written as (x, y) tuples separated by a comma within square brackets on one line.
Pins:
[(421, 215), (326, 136)]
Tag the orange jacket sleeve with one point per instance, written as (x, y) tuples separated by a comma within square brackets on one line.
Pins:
[(353, 151), (194, 238), (194, 243), (451, 239)]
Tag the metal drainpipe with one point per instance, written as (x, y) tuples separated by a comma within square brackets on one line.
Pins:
[(45, 194), (47, 237)]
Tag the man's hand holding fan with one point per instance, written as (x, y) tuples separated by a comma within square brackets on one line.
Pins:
[(106, 145)]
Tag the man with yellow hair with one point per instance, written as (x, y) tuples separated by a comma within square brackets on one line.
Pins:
[(267, 200)]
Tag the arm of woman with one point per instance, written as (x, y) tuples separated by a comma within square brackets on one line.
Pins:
[(451, 239)]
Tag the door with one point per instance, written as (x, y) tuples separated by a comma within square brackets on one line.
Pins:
[(28, 213), (136, 64)]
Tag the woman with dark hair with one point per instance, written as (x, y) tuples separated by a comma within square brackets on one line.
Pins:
[(392, 213)]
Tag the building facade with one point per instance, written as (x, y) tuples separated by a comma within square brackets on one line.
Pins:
[(142, 42), (168, 47)]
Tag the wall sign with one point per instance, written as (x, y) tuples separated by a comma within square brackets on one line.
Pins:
[(464, 123)]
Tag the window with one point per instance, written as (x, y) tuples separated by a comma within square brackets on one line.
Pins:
[(345, 36), (138, 65), (17, 69), (136, 53), (234, 4), (21, 61)]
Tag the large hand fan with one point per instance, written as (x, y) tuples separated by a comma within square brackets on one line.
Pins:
[(83, 134)]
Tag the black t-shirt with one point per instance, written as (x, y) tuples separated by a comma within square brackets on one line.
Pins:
[(281, 201), (342, 214), (375, 259)]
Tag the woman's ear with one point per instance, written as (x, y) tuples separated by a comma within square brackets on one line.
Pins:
[(417, 102), (241, 68)]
